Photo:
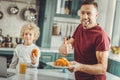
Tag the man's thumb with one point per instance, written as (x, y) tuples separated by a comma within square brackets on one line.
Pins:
[(65, 40)]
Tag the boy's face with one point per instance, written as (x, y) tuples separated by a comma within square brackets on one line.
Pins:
[(28, 37), (88, 15)]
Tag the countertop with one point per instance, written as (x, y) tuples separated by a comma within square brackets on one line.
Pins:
[(115, 57), (41, 74), (112, 77), (42, 49), (48, 74), (55, 50)]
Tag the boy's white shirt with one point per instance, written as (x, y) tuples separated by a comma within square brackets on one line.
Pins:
[(22, 54)]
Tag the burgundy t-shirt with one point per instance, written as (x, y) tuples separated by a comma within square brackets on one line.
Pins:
[(86, 43)]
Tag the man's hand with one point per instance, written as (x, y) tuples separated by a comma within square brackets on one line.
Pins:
[(65, 48), (74, 66)]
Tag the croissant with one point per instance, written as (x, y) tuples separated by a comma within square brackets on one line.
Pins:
[(61, 62)]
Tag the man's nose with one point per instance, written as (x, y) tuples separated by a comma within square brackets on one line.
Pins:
[(85, 16)]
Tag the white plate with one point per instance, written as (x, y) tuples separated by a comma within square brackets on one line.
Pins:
[(52, 64)]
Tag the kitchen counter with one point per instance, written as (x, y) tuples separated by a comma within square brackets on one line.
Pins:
[(48, 74), (112, 77), (115, 57), (41, 74), (42, 49), (52, 50), (55, 50), (6, 49)]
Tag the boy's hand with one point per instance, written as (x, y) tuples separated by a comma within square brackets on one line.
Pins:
[(35, 52), (33, 58)]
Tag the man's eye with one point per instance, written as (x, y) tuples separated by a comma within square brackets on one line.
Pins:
[(88, 13), (26, 33)]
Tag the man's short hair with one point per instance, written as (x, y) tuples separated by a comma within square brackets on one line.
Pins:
[(89, 2)]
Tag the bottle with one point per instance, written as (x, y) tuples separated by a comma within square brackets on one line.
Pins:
[(67, 11), (55, 29)]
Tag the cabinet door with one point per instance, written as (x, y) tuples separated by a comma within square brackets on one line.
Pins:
[(76, 8), (8, 54), (68, 8), (70, 57), (114, 67), (64, 7), (47, 57), (45, 22)]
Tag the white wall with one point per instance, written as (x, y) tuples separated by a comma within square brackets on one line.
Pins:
[(11, 24), (110, 17), (102, 8), (106, 14)]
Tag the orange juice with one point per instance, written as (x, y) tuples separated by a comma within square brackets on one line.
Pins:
[(22, 68)]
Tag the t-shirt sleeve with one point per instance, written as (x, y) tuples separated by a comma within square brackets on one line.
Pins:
[(102, 42), (75, 32)]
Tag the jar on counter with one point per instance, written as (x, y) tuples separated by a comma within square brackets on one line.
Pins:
[(19, 40), (55, 29), (8, 41), (1, 38), (67, 11)]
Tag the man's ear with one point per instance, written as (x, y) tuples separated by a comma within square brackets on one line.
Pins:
[(97, 15)]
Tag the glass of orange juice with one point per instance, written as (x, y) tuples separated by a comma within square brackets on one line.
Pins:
[(22, 68)]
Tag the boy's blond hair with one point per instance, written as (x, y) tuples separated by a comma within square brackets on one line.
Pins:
[(30, 26)]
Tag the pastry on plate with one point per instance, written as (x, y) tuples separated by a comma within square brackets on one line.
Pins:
[(61, 62)]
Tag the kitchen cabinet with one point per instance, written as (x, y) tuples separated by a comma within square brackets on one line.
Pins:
[(47, 12), (51, 57), (114, 67), (68, 8), (47, 57), (8, 54), (45, 22)]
